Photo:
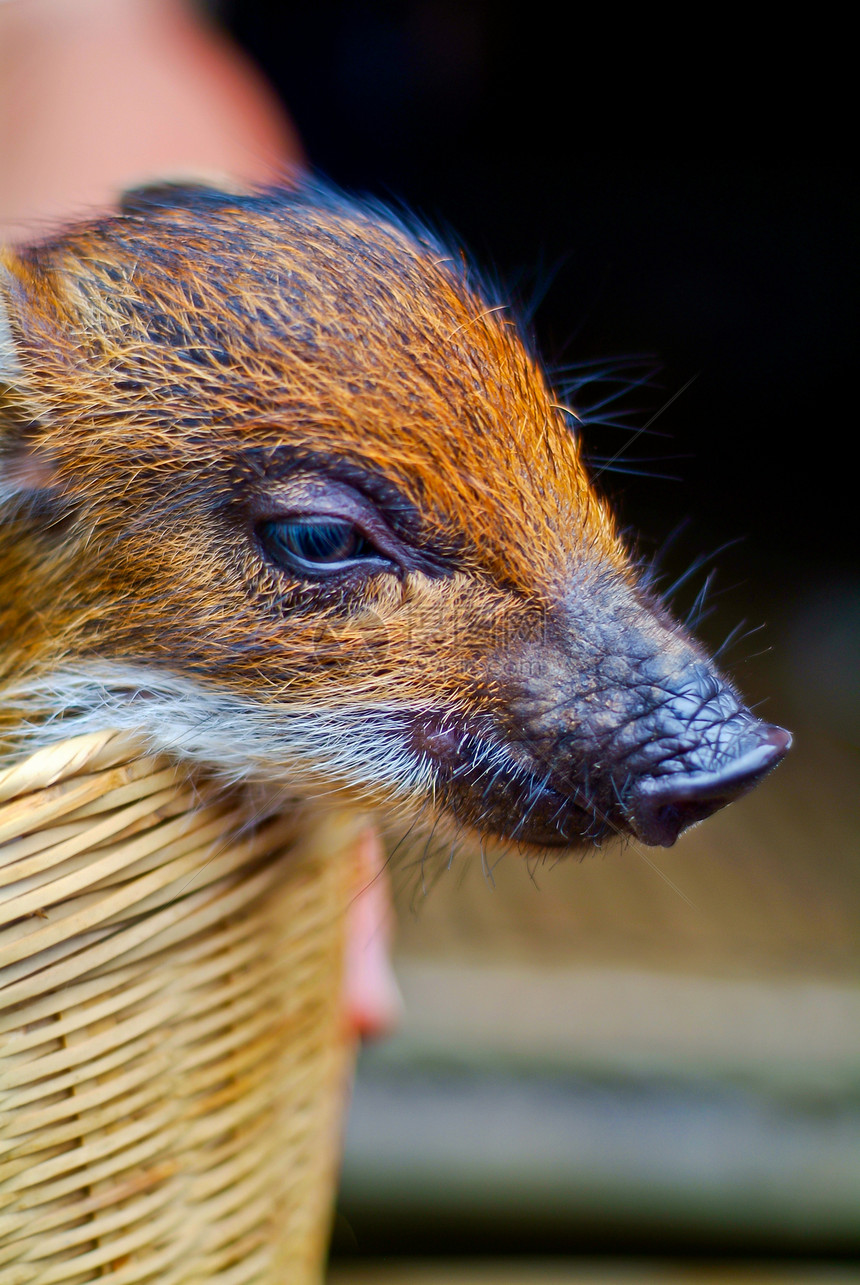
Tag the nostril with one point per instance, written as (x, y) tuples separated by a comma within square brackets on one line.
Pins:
[(659, 808)]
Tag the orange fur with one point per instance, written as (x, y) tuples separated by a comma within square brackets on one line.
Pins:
[(201, 359)]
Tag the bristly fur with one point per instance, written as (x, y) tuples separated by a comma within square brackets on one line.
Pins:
[(174, 373)]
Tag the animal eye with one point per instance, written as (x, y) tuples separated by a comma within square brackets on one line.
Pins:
[(316, 544)]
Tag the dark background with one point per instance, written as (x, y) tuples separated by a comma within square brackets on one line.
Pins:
[(679, 187)]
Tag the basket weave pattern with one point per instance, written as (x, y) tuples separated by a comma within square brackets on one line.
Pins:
[(172, 1055)]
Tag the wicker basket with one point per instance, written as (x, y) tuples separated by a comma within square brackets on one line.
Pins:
[(172, 1051)]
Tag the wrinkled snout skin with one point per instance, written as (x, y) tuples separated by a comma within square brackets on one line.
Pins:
[(618, 722)]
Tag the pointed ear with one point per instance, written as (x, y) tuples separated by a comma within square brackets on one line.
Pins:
[(23, 469)]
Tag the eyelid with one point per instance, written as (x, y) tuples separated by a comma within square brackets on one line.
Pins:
[(313, 494), (306, 498)]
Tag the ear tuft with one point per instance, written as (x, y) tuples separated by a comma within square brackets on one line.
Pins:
[(192, 193)]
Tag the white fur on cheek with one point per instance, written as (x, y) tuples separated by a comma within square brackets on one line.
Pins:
[(307, 747), (306, 751)]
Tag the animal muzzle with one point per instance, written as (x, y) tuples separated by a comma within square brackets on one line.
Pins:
[(662, 751), (644, 751), (699, 766)]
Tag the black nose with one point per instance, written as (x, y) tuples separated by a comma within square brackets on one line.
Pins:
[(660, 807)]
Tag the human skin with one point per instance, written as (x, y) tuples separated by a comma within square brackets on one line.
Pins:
[(100, 95)]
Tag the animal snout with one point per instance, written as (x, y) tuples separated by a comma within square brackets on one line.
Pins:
[(699, 750)]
